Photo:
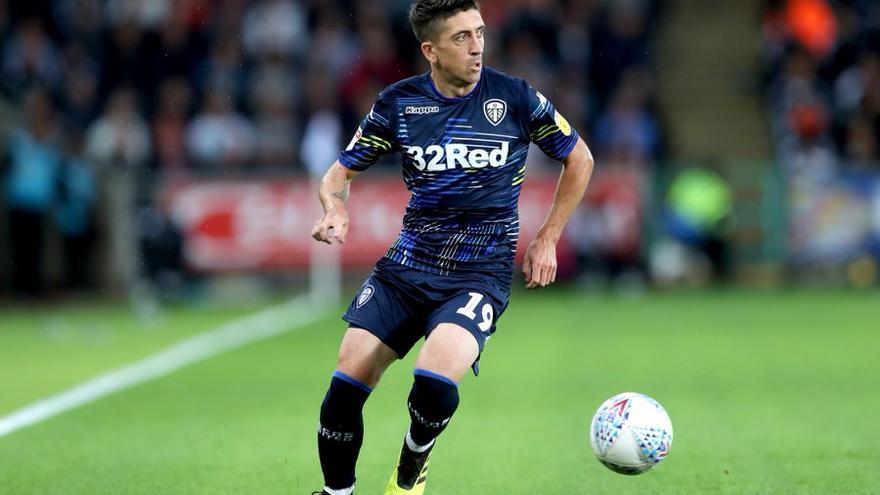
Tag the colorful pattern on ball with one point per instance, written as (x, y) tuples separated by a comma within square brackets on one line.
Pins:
[(653, 442), (609, 422), (630, 433)]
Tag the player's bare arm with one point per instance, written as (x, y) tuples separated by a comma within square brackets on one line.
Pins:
[(539, 265), (333, 193)]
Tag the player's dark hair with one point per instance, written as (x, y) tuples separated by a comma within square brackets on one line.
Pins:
[(424, 14)]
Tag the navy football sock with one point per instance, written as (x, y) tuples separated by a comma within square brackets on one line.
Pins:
[(432, 401), (341, 431)]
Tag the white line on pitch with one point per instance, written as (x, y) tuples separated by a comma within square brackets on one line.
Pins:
[(262, 325)]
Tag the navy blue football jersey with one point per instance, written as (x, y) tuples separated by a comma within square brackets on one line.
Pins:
[(464, 163)]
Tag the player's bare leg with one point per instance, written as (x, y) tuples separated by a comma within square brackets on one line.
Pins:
[(449, 351), (362, 360), (364, 357), (442, 363)]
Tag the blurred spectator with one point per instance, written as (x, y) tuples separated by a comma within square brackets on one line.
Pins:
[(120, 138), (169, 125), (378, 66), (160, 252), (605, 229), (148, 14), (226, 19), (79, 93), (30, 58), (526, 59), (173, 51), (322, 138), (333, 46), (274, 27), (273, 79), (537, 21), (626, 133), (218, 136), (854, 84), (812, 24), (81, 21), (276, 132), (861, 146), (618, 43), (122, 61), (30, 182), (800, 109), (573, 40), (223, 69), (5, 22), (75, 210), (700, 203)]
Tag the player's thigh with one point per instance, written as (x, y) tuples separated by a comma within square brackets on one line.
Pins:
[(450, 350), (467, 319), (385, 308), (364, 357)]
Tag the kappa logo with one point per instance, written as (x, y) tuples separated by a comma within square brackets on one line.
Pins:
[(366, 294), (420, 110), (495, 110)]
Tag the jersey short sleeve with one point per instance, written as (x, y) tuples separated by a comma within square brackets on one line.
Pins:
[(548, 128), (373, 138)]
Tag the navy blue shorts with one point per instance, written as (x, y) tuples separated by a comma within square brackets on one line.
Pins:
[(401, 305)]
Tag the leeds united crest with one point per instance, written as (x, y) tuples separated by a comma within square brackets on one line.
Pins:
[(365, 295), (495, 110)]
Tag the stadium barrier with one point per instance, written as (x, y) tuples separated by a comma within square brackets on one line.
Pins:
[(256, 224)]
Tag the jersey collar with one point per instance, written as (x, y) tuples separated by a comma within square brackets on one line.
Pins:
[(455, 98)]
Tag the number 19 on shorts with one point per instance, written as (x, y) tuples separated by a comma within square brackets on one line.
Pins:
[(486, 312)]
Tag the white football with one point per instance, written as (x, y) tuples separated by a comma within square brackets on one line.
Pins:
[(631, 433)]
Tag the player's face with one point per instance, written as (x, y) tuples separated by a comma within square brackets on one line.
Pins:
[(458, 49)]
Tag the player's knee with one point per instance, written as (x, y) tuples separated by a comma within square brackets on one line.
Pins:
[(433, 399), (363, 370), (450, 351), (364, 357), (344, 400)]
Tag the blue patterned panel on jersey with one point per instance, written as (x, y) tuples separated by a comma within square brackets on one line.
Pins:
[(464, 163), (372, 139), (548, 128)]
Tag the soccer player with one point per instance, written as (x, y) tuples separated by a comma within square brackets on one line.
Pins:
[(463, 131)]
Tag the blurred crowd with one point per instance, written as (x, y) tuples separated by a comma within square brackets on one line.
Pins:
[(158, 88), (231, 84), (821, 61), (822, 68)]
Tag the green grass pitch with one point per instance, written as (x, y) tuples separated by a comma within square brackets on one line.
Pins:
[(768, 393)]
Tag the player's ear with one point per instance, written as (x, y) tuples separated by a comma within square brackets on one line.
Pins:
[(428, 51)]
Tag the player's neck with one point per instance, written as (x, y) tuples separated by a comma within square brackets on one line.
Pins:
[(448, 89)]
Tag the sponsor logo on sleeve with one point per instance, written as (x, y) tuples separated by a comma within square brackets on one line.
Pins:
[(562, 124)]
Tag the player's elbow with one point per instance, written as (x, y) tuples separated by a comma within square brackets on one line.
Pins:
[(339, 172)]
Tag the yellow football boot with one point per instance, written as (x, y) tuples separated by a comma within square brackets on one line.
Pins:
[(409, 477)]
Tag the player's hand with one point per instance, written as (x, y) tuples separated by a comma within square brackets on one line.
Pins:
[(539, 266), (333, 226)]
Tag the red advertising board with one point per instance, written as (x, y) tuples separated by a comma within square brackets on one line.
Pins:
[(266, 224)]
